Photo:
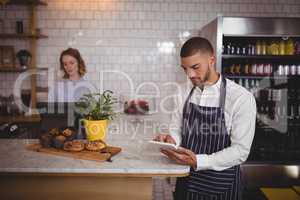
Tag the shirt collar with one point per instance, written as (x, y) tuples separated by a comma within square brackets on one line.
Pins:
[(211, 88)]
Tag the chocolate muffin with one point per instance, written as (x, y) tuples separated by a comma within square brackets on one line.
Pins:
[(54, 132), (58, 141), (69, 133), (46, 140)]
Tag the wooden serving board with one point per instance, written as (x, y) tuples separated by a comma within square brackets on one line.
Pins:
[(84, 155)]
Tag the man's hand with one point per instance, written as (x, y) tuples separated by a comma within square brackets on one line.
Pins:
[(164, 138), (182, 156)]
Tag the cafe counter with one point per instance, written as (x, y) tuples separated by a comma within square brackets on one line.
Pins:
[(34, 175)]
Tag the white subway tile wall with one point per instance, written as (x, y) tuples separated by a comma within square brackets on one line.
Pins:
[(127, 39)]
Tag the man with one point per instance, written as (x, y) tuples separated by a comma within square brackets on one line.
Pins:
[(214, 125)]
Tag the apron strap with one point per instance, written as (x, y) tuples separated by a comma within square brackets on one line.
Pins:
[(222, 103), (222, 93), (186, 103)]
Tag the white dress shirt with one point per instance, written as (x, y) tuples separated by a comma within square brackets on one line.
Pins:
[(240, 116)]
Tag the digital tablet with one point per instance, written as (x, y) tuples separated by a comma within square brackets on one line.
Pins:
[(163, 145)]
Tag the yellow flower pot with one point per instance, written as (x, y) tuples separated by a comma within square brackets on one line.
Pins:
[(95, 129)]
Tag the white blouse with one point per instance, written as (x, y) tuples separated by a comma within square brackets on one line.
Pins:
[(240, 116), (69, 91)]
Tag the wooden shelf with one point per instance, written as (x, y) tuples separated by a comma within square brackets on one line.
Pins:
[(16, 119), (26, 2), (21, 36), (42, 68), (38, 89), (18, 69), (11, 69)]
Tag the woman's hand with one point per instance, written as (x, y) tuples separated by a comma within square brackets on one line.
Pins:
[(182, 156)]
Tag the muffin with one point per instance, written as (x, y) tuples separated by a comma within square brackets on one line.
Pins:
[(46, 140), (69, 133), (54, 132), (75, 146), (95, 145), (58, 141)]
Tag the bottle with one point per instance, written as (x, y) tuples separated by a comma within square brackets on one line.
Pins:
[(238, 69), (298, 69), (19, 27), (293, 70), (238, 50), (263, 48), (241, 82), (228, 48), (254, 69), (260, 69), (267, 69), (258, 48), (252, 87), (247, 69), (282, 47), (232, 50), (286, 70), (244, 50), (251, 50), (289, 48), (280, 70), (232, 69)]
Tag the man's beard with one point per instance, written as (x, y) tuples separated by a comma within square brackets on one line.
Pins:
[(200, 83)]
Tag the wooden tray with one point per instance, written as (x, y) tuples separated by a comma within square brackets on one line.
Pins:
[(84, 155)]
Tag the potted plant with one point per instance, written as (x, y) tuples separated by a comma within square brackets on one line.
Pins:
[(96, 110)]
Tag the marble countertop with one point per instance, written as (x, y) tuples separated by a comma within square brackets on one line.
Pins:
[(136, 159)]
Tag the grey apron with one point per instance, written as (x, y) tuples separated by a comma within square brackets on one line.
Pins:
[(204, 132)]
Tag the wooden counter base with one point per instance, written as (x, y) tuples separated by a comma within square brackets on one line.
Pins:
[(74, 187)]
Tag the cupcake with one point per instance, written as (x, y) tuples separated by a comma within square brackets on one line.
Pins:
[(69, 133), (58, 141), (54, 132), (46, 140)]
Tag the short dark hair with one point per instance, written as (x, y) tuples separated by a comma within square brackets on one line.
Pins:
[(195, 45)]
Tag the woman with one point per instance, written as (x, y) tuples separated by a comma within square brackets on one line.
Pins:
[(73, 86)]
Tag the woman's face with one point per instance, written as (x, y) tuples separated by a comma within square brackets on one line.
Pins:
[(70, 65)]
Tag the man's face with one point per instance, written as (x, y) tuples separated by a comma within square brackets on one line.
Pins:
[(198, 67)]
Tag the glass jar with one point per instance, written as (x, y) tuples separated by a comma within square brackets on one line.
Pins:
[(289, 47), (282, 47), (273, 48)]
